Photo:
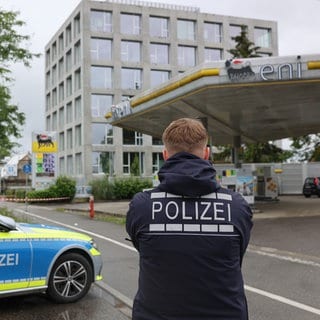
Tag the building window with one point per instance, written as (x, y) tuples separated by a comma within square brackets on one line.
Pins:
[(98, 133), (48, 80), (69, 113), (133, 163), (109, 134), (211, 54), (68, 35), (61, 117), (234, 31), (157, 161), (159, 53), (68, 61), (101, 21), (62, 168), (69, 165), (130, 137), (54, 75), (262, 37), (156, 141), (61, 68), (101, 49), (69, 86), (130, 51), (54, 51), (101, 77), (48, 60), (77, 108), (158, 76), (158, 27), (61, 92), (78, 164), (77, 52), (186, 56), (77, 79), (77, 136), (130, 24), (48, 102), (212, 32), (54, 97), (61, 43), (48, 123), (54, 121), (130, 78), (103, 162), (186, 30), (69, 139), (61, 141), (76, 25), (100, 104)]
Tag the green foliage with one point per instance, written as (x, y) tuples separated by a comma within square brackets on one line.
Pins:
[(244, 47), (135, 168), (102, 189), (126, 188), (63, 187), (13, 49), (306, 148)]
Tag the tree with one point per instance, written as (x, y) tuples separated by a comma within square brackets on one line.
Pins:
[(12, 50), (244, 47), (306, 148)]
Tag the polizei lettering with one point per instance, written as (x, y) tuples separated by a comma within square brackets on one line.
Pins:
[(9, 259), (197, 211)]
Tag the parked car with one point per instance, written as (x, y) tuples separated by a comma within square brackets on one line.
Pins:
[(311, 187), (41, 258)]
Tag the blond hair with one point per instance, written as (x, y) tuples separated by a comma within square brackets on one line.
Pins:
[(185, 134)]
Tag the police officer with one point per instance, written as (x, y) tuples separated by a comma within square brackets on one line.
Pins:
[(191, 235)]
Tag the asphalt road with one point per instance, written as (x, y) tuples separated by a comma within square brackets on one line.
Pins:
[(281, 268)]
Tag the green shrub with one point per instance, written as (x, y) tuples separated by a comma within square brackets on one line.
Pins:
[(20, 194), (102, 189), (126, 188), (63, 187)]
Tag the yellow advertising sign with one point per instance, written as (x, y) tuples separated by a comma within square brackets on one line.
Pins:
[(44, 142)]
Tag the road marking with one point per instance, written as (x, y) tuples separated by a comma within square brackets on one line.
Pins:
[(283, 300), (282, 255), (267, 294), (95, 235)]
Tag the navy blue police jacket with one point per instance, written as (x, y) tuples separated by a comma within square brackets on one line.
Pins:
[(191, 235)]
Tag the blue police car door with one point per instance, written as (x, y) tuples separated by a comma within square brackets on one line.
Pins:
[(15, 260)]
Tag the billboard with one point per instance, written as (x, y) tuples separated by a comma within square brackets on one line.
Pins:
[(44, 142)]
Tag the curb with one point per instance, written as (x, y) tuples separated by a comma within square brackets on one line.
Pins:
[(117, 299)]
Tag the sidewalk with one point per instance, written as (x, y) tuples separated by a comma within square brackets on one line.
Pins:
[(284, 207)]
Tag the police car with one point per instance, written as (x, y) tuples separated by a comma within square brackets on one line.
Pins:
[(40, 258)]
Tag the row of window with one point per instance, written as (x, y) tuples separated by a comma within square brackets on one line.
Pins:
[(103, 162), (131, 24)]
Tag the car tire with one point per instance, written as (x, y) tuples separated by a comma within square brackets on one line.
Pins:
[(70, 278), (307, 195)]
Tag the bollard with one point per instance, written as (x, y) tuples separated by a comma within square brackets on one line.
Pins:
[(91, 207)]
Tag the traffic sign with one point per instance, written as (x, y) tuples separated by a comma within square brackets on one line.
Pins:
[(27, 168)]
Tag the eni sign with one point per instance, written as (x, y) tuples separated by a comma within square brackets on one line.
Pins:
[(242, 70)]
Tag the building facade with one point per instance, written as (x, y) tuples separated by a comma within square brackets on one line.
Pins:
[(108, 51)]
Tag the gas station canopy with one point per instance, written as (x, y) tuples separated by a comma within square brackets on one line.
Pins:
[(256, 100)]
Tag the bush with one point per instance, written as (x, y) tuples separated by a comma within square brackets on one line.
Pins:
[(126, 188), (63, 187), (102, 189)]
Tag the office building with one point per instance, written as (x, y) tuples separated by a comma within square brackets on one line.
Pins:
[(107, 52)]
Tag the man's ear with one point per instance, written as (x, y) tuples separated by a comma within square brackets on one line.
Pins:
[(206, 153), (165, 154)]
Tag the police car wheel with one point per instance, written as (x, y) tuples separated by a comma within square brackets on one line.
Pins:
[(70, 278)]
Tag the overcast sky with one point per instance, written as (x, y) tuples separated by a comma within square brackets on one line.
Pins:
[(298, 33)]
